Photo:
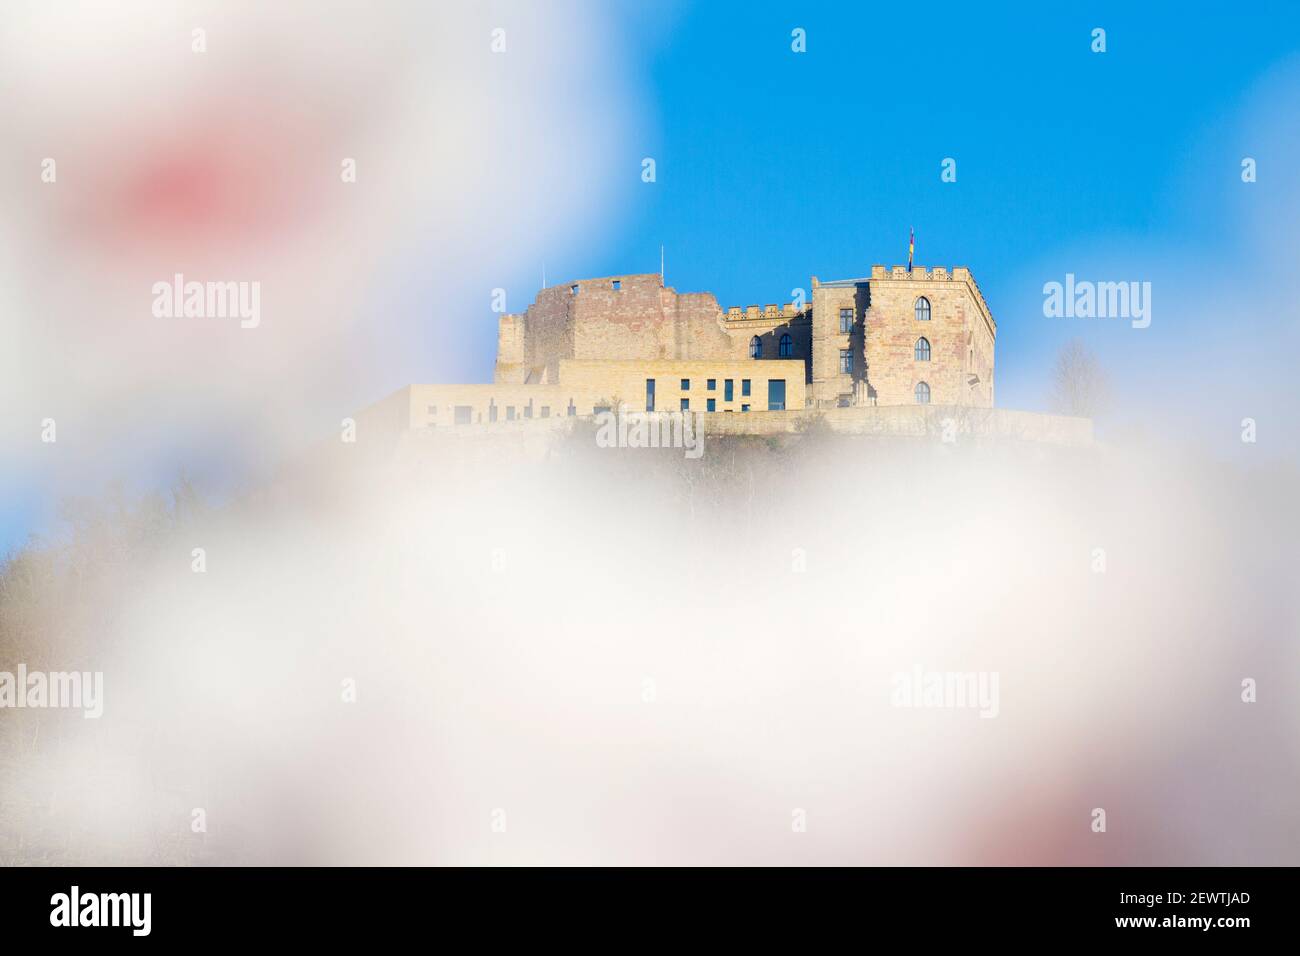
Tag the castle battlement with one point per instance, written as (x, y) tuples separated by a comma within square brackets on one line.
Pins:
[(881, 273), (738, 313)]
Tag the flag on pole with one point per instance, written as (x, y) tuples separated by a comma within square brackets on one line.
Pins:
[(911, 247)]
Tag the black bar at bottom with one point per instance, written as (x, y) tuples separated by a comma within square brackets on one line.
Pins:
[(618, 906)]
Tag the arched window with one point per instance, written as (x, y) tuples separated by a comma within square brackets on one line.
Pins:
[(923, 349), (922, 393), (756, 347), (787, 346), (923, 309)]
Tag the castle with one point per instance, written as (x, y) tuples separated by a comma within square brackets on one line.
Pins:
[(896, 337)]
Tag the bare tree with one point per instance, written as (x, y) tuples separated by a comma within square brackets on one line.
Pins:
[(1079, 384)]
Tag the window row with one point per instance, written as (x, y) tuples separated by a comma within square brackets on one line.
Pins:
[(784, 350), (711, 385), (922, 353), (775, 393), (467, 414), (922, 311)]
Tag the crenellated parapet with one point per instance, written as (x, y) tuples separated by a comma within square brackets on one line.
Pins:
[(757, 313), (880, 273)]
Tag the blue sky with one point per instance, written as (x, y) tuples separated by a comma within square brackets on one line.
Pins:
[(773, 166)]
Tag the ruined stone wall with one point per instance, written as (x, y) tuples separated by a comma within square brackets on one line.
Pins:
[(622, 318)]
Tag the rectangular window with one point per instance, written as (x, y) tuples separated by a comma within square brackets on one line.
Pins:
[(744, 388), (744, 408), (573, 409), (729, 390), (617, 285), (510, 413), (492, 412), (599, 409), (686, 385), (713, 404), (846, 361), (463, 413), (528, 409), (573, 290), (546, 411), (686, 404), (712, 384), (433, 410), (776, 395), (846, 320)]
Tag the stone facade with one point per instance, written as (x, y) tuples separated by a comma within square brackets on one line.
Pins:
[(585, 387), (862, 341), (929, 327), (892, 338), (636, 317)]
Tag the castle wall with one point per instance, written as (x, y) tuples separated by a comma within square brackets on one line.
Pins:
[(640, 320), (599, 382), (637, 318), (584, 386), (512, 364), (829, 384), (938, 423)]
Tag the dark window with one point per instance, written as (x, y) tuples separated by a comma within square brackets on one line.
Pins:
[(744, 386), (573, 289), (712, 384), (922, 393), (686, 404), (464, 414), (599, 409), (756, 347), (846, 320), (786, 348), (713, 404), (686, 385), (617, 285), (649, 395), (573, 409), (744, 408), (729, 390), (776, 395), (923, 309), (923, 349), (846, 361)]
